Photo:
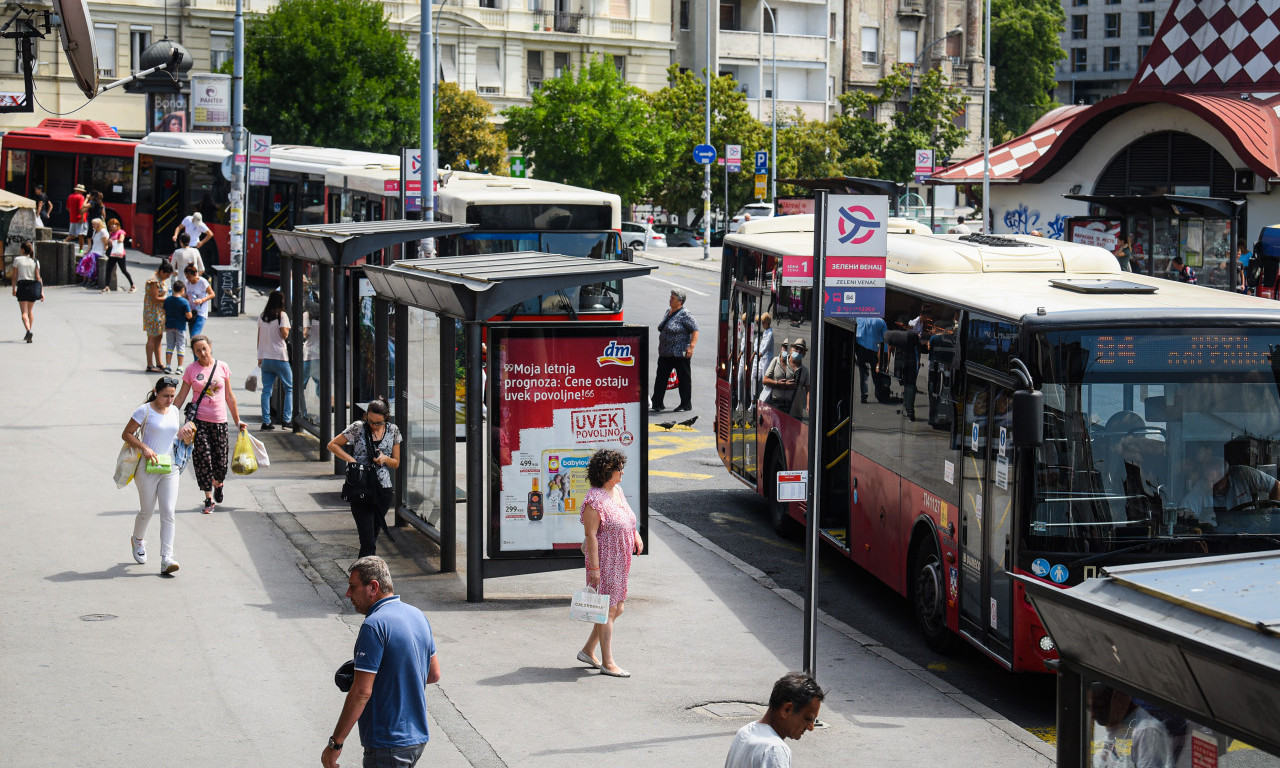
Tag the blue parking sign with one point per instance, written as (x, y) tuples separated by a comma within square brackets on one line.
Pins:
[(762, 162)]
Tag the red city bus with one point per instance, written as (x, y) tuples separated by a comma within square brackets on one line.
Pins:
[(59, 154), (1156, 395)]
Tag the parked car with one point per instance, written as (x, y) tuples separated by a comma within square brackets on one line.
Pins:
[(642, 236), (678, 236), (750, 211)]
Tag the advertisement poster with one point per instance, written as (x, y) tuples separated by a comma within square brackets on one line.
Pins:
[(1103, 233), (557, 394), (211, 100)]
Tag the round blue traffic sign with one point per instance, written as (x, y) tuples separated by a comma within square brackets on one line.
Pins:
[(704, 154)]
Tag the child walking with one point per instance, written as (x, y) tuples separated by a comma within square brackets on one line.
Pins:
[(177, 311)]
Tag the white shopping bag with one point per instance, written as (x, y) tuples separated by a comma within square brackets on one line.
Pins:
[(588, 605), (251, 383), (259, 452)]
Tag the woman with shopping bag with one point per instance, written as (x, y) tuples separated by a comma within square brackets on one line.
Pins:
[(151, 430), (208, 381), (611, 538), (374, 451)]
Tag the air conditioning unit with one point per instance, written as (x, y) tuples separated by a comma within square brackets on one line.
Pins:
[(1247, 181)]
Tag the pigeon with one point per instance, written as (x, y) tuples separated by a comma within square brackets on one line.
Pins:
[(667, 425), (689, 423)]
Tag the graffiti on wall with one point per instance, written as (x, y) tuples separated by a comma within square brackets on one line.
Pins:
[(1022, 220)]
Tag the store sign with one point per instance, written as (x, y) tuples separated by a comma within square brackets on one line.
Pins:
[(211, 101), (558, 394)]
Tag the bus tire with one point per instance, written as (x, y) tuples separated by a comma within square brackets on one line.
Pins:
[(783, 524), (929, 596)]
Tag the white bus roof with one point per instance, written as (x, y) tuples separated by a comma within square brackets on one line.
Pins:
[(317, 160), (195, 146), (462, 187), (1010, 282), (369, 178)]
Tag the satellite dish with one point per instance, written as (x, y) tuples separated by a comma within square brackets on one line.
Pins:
[(79, 43)]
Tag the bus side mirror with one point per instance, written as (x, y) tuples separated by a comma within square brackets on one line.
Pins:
[(1028, 418)]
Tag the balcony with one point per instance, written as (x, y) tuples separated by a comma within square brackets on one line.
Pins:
[(558, 21), (754, 46), (812, 110)]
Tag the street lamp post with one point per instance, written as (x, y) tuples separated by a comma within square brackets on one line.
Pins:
[(706, 169), (773, 113)]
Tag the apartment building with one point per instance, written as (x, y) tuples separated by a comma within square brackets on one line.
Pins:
[(1105, 41), (502, 49), (743, 43)]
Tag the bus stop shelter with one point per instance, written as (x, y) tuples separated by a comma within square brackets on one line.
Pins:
[(1193, 642), (321, 265), (467, 290)]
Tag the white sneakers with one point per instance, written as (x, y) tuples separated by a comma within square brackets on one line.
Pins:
[(139, 550), (168, 566)]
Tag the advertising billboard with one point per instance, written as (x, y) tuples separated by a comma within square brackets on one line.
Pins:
[(557, 394)]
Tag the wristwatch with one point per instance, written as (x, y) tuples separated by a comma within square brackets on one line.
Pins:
[(335, 746)]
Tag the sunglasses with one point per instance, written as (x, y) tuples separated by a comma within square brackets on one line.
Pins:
[(373, 423), (168, 381)]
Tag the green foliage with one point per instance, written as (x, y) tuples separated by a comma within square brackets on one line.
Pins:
[(330, 73), (680, 107), (807, 149), (1024, 48), (888, 151), (592, 131), (464, 133)]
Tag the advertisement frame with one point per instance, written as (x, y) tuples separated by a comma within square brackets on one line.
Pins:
[(498, 334)]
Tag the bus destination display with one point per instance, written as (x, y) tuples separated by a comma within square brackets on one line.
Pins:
[(1163, 352)]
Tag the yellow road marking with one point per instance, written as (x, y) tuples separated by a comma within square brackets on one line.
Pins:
[(1048, 734), (680, 475), (664, 444), (937, 666)]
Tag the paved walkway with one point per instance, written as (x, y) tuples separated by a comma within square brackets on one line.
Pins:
[(230, 662)]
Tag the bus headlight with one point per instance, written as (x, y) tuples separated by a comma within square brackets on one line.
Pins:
[(1046, 644)]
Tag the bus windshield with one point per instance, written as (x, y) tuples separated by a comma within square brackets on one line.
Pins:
[(587, 299), (1170, 435)]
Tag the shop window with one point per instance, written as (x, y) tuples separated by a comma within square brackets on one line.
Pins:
[(1079, 27), (1110, 59)]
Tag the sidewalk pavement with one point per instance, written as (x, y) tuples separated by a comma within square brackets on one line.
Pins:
[(231, 661), (685, 257)]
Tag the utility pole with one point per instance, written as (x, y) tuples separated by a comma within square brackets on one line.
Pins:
[(706, 171), (239, 153)]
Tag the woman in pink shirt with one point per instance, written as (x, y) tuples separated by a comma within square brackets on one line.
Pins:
[(208, 417)]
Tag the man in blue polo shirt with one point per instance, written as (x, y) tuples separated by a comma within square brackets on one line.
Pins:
[(867, 351), (395, 660)]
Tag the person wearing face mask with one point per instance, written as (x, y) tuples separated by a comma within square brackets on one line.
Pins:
[(799, 380)]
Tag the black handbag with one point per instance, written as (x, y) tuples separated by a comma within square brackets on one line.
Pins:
[(193, 408), (362, 479)]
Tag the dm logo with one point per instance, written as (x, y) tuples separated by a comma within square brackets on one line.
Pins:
[(856, 225), (616, 354), (260, 145)]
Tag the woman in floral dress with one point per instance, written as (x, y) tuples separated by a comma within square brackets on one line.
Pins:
[(153, 313), (611, 538)]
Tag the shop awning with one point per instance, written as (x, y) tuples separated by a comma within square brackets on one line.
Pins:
[(474, 288), (1201, 634), (1178, 205), (343, 244)]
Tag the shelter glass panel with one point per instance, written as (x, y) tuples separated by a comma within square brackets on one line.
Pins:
[(424, 491)]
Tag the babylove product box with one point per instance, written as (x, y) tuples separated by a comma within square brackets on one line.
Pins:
[(564, 474)]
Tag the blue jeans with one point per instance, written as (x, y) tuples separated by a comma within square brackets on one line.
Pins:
[(393, 757), (271, 371), (197, 325)]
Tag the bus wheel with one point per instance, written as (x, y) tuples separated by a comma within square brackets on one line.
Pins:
[(929, 597), (783, 524)]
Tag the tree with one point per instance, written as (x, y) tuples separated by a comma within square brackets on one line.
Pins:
[(592, 131), (330, 73), (928, 121), (464, 133), (807, 149), (681, 106), (1024, 49)]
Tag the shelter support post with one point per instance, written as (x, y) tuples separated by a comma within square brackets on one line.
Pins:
[(341, 351), (326, 359), (448, 447), (1071, 714), (297, 342), (400, 398), (475, 462)]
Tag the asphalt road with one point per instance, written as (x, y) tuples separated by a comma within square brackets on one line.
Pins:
[(689, 484)]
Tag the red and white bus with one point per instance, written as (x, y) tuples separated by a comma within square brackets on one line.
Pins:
[(1161, 420), (59, 154)]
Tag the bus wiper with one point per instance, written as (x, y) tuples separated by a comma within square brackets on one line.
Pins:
[(568, 305)]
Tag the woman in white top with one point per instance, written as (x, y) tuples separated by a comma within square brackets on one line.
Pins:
[(27, 285), (273, 358), (158, 421)]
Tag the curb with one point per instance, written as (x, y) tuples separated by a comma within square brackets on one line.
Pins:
[(992, 717)]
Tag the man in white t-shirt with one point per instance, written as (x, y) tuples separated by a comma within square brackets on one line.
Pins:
[(198, 233), (186, 255), (960, 228), (793, 709)]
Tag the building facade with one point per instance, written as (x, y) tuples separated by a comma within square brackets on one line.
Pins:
[(1105, 41), (500, 48)]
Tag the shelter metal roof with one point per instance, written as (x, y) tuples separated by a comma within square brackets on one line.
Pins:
[(479, 287), (1200, 634), (343, 244), (1177, 204)]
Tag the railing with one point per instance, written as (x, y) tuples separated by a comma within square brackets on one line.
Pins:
[(559, 21)]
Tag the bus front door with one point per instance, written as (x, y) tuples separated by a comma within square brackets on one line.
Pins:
[(277, 213), (743, 387), (170, 183), (987, 494)]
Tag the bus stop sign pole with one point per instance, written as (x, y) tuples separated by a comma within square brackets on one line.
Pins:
[(814, 501)]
